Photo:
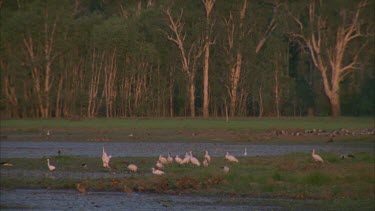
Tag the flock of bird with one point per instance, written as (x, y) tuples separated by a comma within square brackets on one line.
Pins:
[(188, 158)]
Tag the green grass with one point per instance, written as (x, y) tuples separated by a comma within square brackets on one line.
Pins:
[(255, 124), (293, 176)]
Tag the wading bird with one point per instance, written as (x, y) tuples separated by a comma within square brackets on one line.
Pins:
[(316, 157), (6, 164), (131, 167), (169, 158), (195, 161), (105, 159), (231, 158), (205, 162), (157, 172), (159, 164), (186, 159), (84, 165), (162, 159), (225, 169), (178, 159), (51, 167), (245, 153), (207, 156)]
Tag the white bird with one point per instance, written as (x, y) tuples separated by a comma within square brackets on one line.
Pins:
[(178, 159), (186, 159), (316, 157), (159, 164), (231, 158), (170, 158), (245, 153), (195, 161), (225, 169), (132, 168), (163, 159), (205, 162), (105, 159), (51, 167), (207, 156), (157, 172), (48, 133)]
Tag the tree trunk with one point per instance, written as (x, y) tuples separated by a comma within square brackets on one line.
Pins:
[(192, 97), (205, 78)]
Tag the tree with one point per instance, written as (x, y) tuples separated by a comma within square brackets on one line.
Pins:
[(208, 4), (188, 57), (329, 42)]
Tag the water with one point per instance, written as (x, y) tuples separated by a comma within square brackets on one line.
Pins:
[(39, 149), (41, 199)]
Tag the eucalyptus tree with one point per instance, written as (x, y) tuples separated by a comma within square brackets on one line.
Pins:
[(335, 33)]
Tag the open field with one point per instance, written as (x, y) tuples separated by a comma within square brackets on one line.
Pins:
[(177, 129), (292, 176)]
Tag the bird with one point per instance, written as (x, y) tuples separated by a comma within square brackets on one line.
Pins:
[(84, 165), (225, 169), (48, 133), (162, 159), (59, 152), (81, 188), (169, 158), (51, 167), (245, 153), (186, 159), (205, 162), (231, 158), (207, 156), (6, 164), (316, 157), (195, 161), (178, 159), (159, 164), (157, 172), (105, 159), (351, 155), (131, 167)]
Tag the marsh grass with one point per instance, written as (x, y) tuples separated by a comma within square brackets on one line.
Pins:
[(293, 176), (256, 124)]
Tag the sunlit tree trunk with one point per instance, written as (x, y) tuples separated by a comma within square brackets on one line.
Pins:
[(328, 55), (208, 6)]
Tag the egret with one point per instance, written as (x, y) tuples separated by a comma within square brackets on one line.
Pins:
[(225, 169), (231, 158), (186, 159), (207, 156), (159, 164), (169, 158), (205, 162), (178, 159), (6, 164), (245, 153), (195, 161), (163, 159), (131, 167), (316, 157), (48, 133), (51, 167), (157, 172), (105, 159)]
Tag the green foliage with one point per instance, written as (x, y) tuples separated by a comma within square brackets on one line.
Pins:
[(138, 33)]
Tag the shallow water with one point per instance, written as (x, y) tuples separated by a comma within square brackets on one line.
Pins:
[(39, 149), (41, 199)]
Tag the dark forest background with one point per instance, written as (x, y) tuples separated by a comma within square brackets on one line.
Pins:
[(166, 58)]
